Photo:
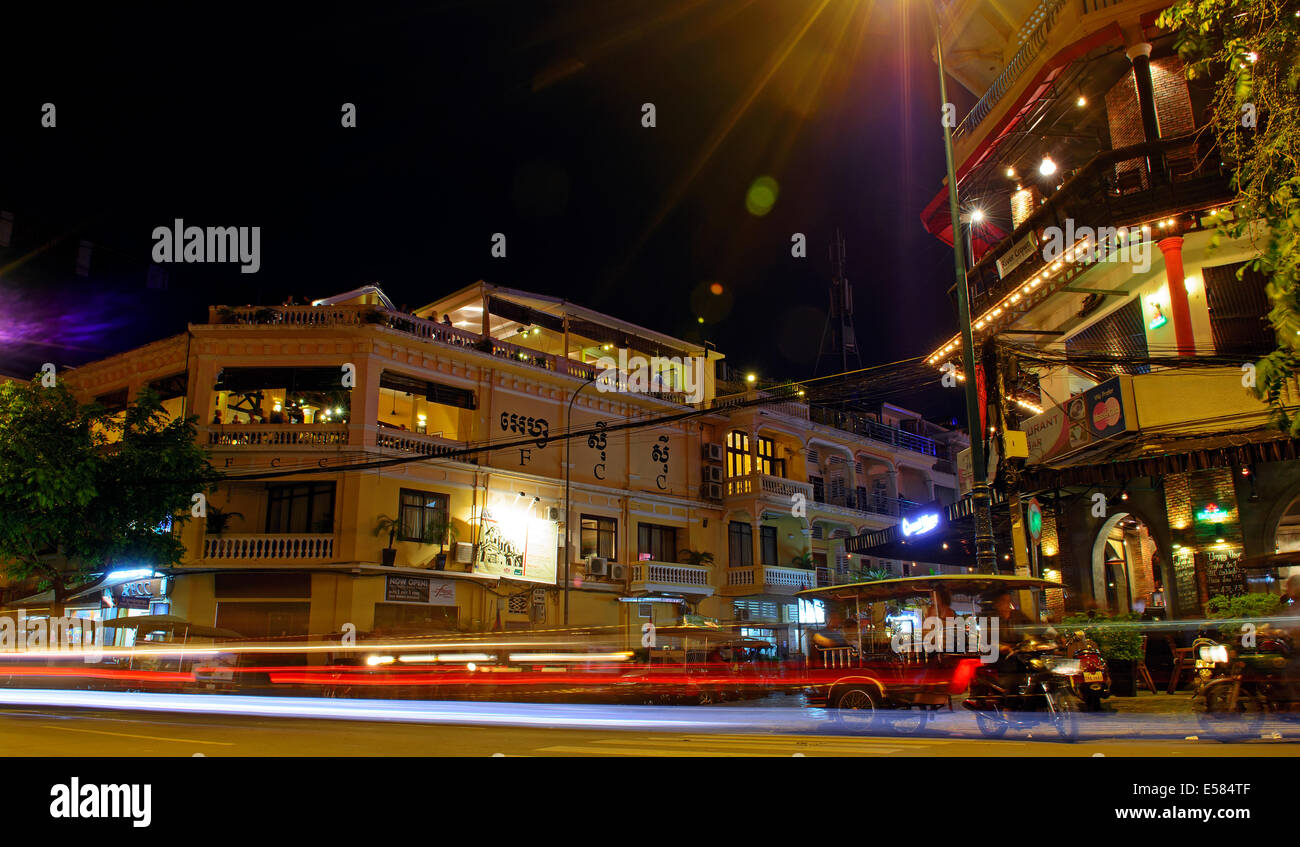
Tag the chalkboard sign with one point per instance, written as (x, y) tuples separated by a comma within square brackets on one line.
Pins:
[(1223, 573), (1186, 596)]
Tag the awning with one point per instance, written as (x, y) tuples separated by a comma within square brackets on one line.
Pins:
[(1154, 455), (896, 589)]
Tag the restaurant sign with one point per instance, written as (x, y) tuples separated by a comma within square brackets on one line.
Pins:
[(1082, 422), (1016, 256)]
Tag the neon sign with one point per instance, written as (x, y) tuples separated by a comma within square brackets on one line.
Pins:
[(1211, 514), (921, 525)]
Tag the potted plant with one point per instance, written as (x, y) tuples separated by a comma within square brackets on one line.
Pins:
[(391, 526), (699, 558), (1119, 639), (439, 528), (217, 520)]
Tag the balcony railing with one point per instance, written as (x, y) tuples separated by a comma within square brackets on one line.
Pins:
[(1117, 188), (319, 316), (868, 428), (276, 435), (414, 442), (773, 486), (669, 575), (776, 579), (260, 548), (1035, 37), (871, 504)]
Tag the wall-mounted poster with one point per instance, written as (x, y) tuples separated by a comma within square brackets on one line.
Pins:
[(514, 544)]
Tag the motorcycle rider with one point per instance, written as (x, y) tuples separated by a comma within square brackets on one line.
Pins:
[(1013, 628), (1013, 624)]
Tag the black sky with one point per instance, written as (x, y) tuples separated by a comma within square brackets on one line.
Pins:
[(474, 118)]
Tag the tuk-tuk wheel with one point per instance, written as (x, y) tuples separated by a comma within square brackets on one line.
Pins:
[(856, 707)]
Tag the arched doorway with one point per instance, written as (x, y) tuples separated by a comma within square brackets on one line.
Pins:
[(1288, 538), (1127, 575)]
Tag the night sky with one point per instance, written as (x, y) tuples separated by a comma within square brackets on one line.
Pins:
[(473, 118)]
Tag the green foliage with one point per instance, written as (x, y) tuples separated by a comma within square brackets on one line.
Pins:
[(390, 526), (1251, 49), (1117, 636), (1243, 607), (218, 519), (83, 491), (701, 558)]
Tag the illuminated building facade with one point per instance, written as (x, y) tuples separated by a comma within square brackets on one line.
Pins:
[(405, 471), (1096, 279)]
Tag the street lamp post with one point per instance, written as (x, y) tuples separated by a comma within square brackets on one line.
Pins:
[(985, 556), (568, 449)]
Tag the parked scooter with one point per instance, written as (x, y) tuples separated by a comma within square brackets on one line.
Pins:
[(1091, 682), (1027, 687), (1237, 687)]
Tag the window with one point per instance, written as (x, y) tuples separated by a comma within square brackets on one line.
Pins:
[(423, 516), (754, 610), (767, 539), (740, 545), (819, 489), (114, 401), (659, 543), (300, 507), (598, 536), (738, 458)]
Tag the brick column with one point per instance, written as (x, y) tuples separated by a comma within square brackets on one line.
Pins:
[(1172, 248)]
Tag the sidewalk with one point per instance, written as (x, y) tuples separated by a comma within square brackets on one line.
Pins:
[(1146, 703)]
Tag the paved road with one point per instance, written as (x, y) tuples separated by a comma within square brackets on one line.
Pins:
[(489, 729)]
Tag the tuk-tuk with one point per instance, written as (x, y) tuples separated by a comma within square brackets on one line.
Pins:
[(876, 662), (696, 665), (169, 654)]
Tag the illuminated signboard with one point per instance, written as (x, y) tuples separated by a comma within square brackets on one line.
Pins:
[(516, 545), (1212, 514), (921, 525)]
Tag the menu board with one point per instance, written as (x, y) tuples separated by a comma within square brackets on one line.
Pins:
[(1223, 573), (1187, 598)]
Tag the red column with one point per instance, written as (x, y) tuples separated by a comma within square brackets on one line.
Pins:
[(1172, 248)]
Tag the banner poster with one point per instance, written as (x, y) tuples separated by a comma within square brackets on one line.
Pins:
[(516, 545)]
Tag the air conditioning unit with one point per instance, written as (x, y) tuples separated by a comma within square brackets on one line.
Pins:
[(597, 566), (464, 553), (554, 513), (712, 473), (712, 491), (713, 452), (617, 572)]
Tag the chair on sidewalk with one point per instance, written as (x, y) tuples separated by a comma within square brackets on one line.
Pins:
[(1182, 657), (1144, 675)]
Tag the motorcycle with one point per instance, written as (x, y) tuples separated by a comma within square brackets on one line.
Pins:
[(1235, 689), (1027, 687), (1092, 682)]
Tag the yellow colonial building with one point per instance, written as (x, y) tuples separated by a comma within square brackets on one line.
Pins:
[(408, 472)]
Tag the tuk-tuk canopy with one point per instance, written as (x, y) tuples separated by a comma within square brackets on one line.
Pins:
[(911, 586)]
